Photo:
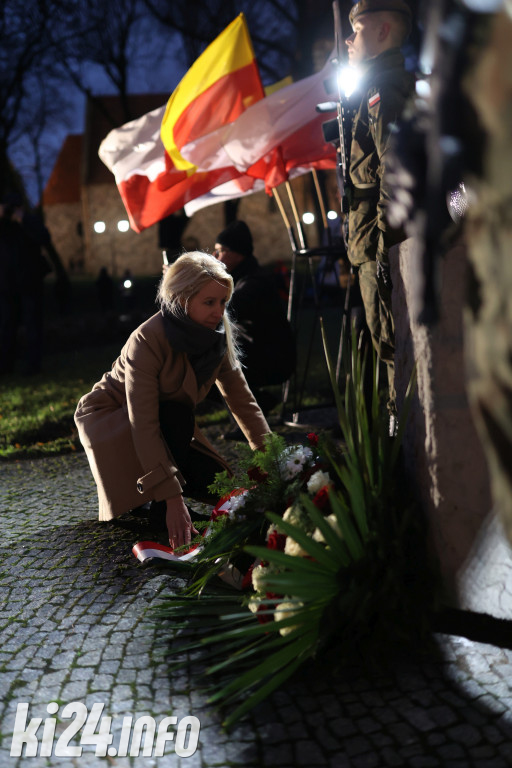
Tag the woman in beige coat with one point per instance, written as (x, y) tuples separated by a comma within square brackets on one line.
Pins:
[(137, 424)]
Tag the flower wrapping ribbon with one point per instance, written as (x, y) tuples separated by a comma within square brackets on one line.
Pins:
[(145, 550)]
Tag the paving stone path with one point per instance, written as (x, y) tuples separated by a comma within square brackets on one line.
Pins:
[(76, 627)]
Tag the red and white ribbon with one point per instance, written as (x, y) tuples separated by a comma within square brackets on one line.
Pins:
[(144, 550)]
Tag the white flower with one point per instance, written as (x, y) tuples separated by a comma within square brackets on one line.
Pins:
[(254, 603), (291, 515), (333, 522), (292, 548), (258, 576), (317, 481), (272, 529), (283, 611), (292, 460), (235, 503)]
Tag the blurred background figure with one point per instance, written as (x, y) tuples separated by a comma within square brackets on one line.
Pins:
[(23, 268), (105, 289), (265, 336)]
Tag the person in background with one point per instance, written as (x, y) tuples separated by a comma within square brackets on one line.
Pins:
[(380, 27), (105, 289), (137, 425), (23, 268), (265, 336)]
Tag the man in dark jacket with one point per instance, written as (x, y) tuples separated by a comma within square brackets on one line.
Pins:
[(265, 335), (379, 29)]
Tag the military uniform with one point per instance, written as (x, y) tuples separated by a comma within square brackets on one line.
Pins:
[(383, 91)]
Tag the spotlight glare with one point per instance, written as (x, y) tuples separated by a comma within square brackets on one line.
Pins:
[(348, 80), (423, 89), (123, 225), (308, 218), (99, 227), (332, 215)]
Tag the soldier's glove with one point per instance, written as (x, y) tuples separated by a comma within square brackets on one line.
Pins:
[(384, 274)]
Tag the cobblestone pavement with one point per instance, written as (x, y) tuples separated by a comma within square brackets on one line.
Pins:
[(75, 627)]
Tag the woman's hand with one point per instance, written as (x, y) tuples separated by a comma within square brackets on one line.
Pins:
[(179, 525)]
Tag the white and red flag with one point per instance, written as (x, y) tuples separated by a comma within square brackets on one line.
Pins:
[(223, 138)]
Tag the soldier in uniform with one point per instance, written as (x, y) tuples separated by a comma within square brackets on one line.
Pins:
[(380, 27)]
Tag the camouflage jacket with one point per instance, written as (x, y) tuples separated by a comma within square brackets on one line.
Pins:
[(385, 88)]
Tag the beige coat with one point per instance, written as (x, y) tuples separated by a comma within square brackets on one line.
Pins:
[(119, 427)]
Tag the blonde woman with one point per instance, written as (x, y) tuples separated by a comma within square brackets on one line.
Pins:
[(137, 424)]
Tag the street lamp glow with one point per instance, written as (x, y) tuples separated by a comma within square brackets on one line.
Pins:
[(332, 215), (99, 227), (308, 218), (123, 225)]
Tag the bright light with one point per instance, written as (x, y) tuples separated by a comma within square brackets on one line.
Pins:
[(99, 227), (423, 89), (123, 225), (332, 215), (308, 218), (348, 80), (127, 284)]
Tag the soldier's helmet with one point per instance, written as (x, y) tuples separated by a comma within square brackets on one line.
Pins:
[(374, 6)]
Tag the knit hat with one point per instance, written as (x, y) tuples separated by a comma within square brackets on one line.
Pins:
[(374, 6), (237, 237)]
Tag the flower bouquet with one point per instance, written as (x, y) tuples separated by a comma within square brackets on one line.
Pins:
[(330, 551)]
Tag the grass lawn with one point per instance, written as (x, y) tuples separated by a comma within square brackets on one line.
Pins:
[(36, 412)]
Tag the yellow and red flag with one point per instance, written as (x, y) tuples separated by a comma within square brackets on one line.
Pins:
[(221, 84)]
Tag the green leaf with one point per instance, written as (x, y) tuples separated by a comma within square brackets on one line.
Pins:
[(284, 656), (289, 561), (359, 511), (318, 588), (349, 532), (313, 548), (277, 679), (332, 538)]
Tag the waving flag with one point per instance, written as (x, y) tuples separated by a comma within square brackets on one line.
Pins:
[(150, 186), (153, 179), (271, 137), (224, 139), (285, 127), (220, 85)]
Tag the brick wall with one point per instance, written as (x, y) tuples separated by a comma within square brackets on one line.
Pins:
[(140, 252)]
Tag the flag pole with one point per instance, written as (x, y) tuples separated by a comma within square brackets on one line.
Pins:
[(285, 218), (321, 202), (291, 289), (296, 215)]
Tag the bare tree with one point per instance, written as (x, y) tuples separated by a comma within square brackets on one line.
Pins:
[(24, 50), (272, 25), (114, 39), (33, 144)]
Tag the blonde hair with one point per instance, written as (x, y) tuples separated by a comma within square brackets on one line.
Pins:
[(184, 278)]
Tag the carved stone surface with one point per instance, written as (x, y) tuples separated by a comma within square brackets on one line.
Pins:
[(442, 451)]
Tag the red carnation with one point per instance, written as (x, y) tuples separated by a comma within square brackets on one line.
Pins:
[(313, 438), (321, 499), (256, 475), (276, 541), (264, 618), (247, 580)]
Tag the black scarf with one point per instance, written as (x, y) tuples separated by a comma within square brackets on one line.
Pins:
[(204, 347)]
